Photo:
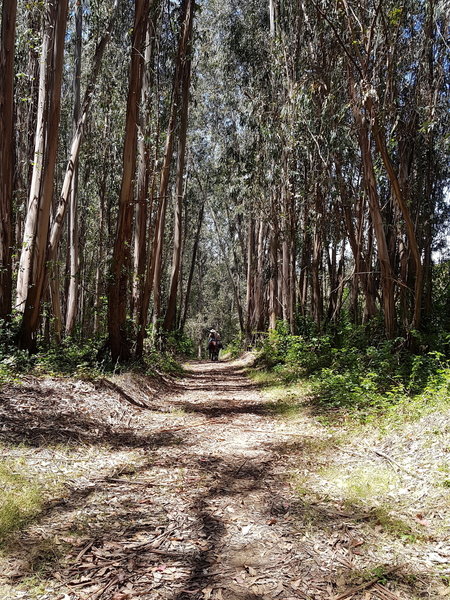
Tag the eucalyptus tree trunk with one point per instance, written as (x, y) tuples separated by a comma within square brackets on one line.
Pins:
[(72, 294), (316, 260), (101, 249), (397, 192), (72, 164), (121, 260), (370, 184), (250, 300), (29, 233), (69, 190), (274, 306), (9, 12), (25, 118), (33, 259), (169, 321), (288, 253), (184, 39), (192, 266), (259, 312), (145, 176), (305, 260), (362, 266)]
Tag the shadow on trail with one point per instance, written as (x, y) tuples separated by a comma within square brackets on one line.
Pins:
[(227, 407), (43, 427), (198, 514)]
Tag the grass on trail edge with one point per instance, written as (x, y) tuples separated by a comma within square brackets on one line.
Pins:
[(394, 409)]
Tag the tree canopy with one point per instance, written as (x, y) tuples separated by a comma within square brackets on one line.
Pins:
[(169, 166)]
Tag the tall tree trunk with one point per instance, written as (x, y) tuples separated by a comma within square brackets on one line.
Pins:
[(274, 310), (169, 321), (25, 134), (145, 187), (259, 316), (9, 12), (31, 282), (72, 294), (250, 301), (234, 285), (305, 260), (316, 261), (370, 183), (29, 232), (58, 220), (192, 266), (185, 20), (397, 192), (362, 267), (121, 260), (100, 258)]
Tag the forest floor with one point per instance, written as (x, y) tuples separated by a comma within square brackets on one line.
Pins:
[(201, 488)]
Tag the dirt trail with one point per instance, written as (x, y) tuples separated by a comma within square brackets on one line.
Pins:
[(189, 498)]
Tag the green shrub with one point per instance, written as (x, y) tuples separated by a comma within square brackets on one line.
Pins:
[(345, 372), (179, 343)]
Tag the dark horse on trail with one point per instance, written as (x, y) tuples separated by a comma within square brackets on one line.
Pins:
[(214, 347)]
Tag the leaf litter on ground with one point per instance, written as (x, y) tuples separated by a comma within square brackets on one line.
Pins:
[(195, 490)]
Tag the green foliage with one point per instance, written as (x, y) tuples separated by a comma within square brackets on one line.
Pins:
[(348, 372), (236, 346), (161, 362), (180, 344), (72, 357), (89, 359)]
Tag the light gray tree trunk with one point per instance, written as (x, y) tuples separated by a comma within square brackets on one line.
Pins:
[(41, 194)]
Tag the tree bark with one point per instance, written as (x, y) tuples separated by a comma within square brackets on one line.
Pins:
[(37, 223), (9, 13), (250, 301), (145, 187), (260, 318), (121, 260), (185, 20), (169, 321), (370, 183), (274, 310), (72, 294), (398, 195), (192, 266)]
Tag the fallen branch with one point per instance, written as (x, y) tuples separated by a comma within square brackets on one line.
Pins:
[(365, 586), (384, 593), (85, 549), (394, 462), (96, 595)]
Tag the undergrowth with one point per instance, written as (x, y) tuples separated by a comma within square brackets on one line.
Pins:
[(21, 499), (89, 358), (355, 372)]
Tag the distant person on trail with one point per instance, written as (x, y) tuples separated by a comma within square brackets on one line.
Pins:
[(214, 344)]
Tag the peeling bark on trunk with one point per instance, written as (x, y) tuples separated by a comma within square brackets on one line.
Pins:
[(397, 192), (169, 321), (121, 261), (250, 300), (9, 12), (274, 307), (370, 184), (192, 267), (31, 283), (72, 294), (259, 316), (168, 155)]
